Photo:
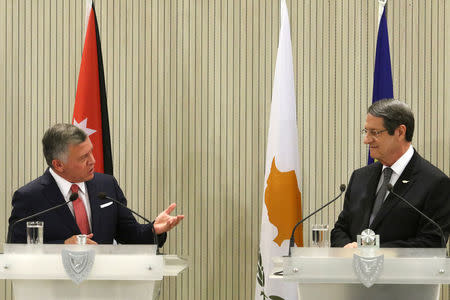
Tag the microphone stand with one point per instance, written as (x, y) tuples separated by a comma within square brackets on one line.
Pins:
[(104, 196), (73, 197), (292, 240), (443, 244)]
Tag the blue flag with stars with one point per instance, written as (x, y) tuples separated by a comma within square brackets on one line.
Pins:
[(382, 76)]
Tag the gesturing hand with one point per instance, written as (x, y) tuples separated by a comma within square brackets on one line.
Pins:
[(165, 222)]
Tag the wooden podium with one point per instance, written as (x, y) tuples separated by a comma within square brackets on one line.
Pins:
[(329, 273), (117, 271)]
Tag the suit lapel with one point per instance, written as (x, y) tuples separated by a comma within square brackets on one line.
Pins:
[(403, 184), (94, 203), (54, 197)]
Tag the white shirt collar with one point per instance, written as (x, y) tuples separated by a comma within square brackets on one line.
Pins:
[(402, 162), (64, 185)]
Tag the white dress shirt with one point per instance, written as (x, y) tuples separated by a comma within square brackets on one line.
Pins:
[(64, 187), (397, 168)]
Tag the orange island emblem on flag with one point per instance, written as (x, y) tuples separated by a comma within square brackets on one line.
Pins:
[(283, 202)]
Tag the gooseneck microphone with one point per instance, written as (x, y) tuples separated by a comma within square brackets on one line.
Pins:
[(103, 196), (292, 240), (73, 197), (390, 188)]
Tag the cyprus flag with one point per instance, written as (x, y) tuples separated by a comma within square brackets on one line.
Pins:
[(282, 199)]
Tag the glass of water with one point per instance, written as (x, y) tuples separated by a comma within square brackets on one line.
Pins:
[(35, 232), (320, 236)]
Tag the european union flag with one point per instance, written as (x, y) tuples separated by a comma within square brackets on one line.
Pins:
[(382, 76)]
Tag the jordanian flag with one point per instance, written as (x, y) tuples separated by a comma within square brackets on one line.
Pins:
[(91, 112), (382, 76)]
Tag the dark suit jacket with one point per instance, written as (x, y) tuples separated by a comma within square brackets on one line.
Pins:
[(398, 225), (108, 223)]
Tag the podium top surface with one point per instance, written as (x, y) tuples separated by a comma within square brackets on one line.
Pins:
[(99, 249), (387, 252)]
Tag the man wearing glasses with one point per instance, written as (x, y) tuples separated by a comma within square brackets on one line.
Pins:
[(389, 131)]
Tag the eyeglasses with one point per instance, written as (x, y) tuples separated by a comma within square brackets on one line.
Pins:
[(372, 132)]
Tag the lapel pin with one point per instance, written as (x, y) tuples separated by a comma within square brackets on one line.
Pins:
[(405, 181)]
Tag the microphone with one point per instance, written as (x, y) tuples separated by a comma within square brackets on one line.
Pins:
[(342, 188), (103, 196), (390, 188), (73, 197)]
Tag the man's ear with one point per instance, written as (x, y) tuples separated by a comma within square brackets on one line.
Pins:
[(58, 165), (402, 131)]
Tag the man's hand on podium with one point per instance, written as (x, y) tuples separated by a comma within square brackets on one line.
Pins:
[(351, 245), (73, 239), (165, 222)]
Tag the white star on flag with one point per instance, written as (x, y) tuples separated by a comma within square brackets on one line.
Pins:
[(83, 125)]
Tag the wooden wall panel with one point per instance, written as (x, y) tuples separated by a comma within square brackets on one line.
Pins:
[(189, 86)]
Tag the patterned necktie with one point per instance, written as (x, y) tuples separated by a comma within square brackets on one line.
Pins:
[(80, 212), (387, 173)]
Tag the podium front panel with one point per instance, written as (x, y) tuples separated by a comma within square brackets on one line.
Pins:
[(118, 272), (317, 291), (335, 265), (87, 290)]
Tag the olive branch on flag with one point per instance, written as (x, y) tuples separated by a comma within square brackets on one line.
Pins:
[(261, 280)]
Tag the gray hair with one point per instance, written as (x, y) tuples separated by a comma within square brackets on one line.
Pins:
[(57, 139), (394, 114)]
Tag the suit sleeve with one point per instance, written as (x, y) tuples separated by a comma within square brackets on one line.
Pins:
[(25, 203), (436, 207), (340, 235), (129, 231), (20, 209)]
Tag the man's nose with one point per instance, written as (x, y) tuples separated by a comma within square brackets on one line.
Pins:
[(368, 139), (91, 159)]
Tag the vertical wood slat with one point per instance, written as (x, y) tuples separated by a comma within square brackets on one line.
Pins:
[(33, 88), (408, 65), (438, 89), (189, 87), (445, 162), (4, 206), (8, 117), (229, 148), (303, 94), (222, 188)]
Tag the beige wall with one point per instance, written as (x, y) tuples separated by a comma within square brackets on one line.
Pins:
[(189, 87)]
